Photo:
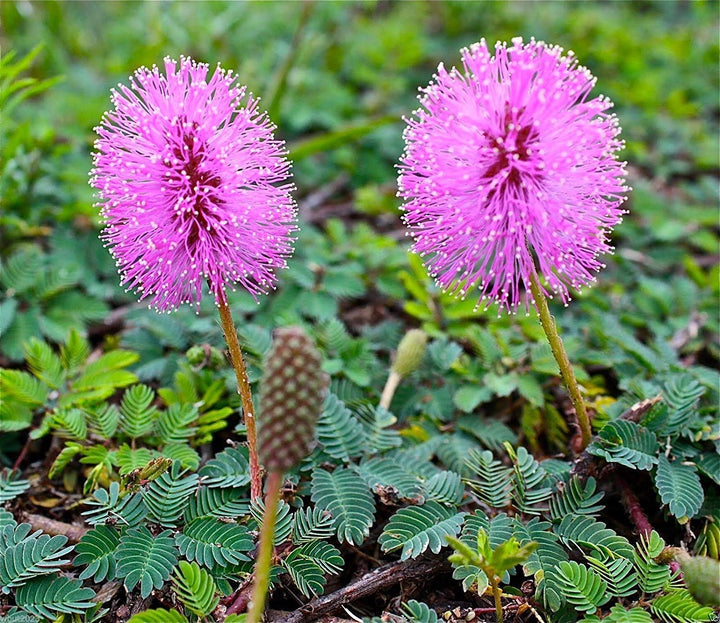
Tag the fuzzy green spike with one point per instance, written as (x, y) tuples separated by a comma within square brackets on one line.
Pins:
[(410, 352), (702, 577), (291, 399)]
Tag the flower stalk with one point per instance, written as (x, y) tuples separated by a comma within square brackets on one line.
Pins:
[(243, 383), (558, 350), (265, 549)]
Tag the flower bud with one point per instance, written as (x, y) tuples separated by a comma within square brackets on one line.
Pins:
[(291, 399), (410, 352)]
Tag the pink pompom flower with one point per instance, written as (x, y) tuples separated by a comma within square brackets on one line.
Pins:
[(193, 186), (510, 172)]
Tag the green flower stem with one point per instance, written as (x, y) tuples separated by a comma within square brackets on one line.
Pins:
[(243, 383), (265, 550), (497, 593), (558, 350)]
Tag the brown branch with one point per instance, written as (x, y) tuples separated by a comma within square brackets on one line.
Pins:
[(369, 584), (51, 526)]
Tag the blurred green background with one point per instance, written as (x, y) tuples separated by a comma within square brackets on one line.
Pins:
[(337, 77)]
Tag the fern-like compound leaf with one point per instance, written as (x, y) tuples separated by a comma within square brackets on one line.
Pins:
[(678, 606), (167, 496), (158, 615), (311, 524), (195, 588), (96, 549), (23, 387), (339, 431), (679, 487), (209, 502), (11, 485), (585, 532), (229, 468), (175, 424), (137, 411), (682, 393), (44, 363), (212, 542), (109, 506), (548, 555), (377, 422), (627, 443), (445, 487), (419, 612), (324, 555), (493, 482), (46, 597), (528, 494), (651, 576), (187, 457), (619, 575), (102, 376), (582, 587), (620, 614), (345, 495), (418, 528), (29, 555), (385, 474), (574, 499), (305, 573), (145, 559), (283, 518)]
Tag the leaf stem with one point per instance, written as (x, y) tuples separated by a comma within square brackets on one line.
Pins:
[(243, 383), (265, 550), (558, 350), (495, 584)]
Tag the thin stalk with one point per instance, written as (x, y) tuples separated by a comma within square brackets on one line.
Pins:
[(245, 395), (495, 583), (558, 350), (391, 385), (265, 550)]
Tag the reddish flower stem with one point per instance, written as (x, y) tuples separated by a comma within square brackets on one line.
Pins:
[(558, 350), (243, 383), (632, 506)]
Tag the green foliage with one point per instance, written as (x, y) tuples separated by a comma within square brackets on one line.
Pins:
[(46, 597), (158, 615), (25, 556), (420, 612), (212, 542), (574, 499), (11, 485), (96, 549), (346, 497), (145, 558), (678, 606), (418, 528), (166, 497), (195, 588), (308, 564), (679, 487), (583, 588)]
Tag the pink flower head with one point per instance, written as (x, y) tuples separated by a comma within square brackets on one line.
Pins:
[(193, 186), (510, 170)]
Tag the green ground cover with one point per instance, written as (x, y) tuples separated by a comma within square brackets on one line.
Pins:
[(94, 386)]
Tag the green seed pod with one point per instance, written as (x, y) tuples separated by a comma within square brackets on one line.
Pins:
[(291, 398), (410, 352), (702, 577)]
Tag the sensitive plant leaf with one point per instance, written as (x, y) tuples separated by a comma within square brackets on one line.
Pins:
[(229, 468), (159, 615), (46, 597), (29, 555), (195, 588), (627, 443), (137, 411), (346, 496), (11, 485), (310, 524), (679, 487), (383, 473), (214, 502), (678, 606), (145, 559), (445, 487), (44, 363), (492, 481), (283, 519), (96, 549), (339, 431), (167, 496), (586, 532), (108, 505), (582, 587), (212, 542), (418, 528), (575, 499), (24, 387), (420, 612)]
